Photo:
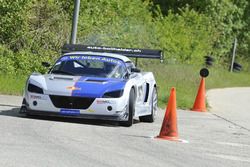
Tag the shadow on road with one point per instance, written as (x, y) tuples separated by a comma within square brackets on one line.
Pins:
[(14, 112)]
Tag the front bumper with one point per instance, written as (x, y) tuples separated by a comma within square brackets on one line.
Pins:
[(85, 116), (101, 108)]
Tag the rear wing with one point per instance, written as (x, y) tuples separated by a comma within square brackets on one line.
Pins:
[(129, 52)]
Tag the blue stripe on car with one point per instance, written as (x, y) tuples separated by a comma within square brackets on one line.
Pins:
[(96, 87)]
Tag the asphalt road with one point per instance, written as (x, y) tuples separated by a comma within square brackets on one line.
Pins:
[(214, 139), (233, 104)]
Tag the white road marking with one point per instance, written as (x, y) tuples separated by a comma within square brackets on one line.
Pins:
[(230, 157), (233, 144)]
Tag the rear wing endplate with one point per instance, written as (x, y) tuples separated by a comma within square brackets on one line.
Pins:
[(129, 52)]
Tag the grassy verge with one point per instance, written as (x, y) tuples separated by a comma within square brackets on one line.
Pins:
[(12, 85), (185, 78)]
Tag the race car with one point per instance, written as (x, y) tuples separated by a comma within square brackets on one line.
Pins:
[(95, 83)]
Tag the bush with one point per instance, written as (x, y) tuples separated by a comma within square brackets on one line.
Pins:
[(14, 22), (27, 62), (6, 60), (116, 23), (49, 26), (186, 37), (193, 29), (24, 62)]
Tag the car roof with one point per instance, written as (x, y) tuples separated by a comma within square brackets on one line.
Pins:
[(113, 55)]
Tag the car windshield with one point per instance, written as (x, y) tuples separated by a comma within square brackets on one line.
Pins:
[(85, 65)]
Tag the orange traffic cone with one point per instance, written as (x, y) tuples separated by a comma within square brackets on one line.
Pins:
[(169, 126), (200, 101)]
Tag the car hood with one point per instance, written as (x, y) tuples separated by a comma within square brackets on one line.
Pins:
[(81, 86)]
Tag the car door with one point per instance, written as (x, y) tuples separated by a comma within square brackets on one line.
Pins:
[(141, 90), (140, 86)]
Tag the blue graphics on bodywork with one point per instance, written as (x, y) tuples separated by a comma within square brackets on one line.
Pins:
[(69, 112), (94, 87)]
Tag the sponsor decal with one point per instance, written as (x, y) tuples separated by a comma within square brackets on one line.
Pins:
[(96, 58), (116, 49), (69, 112), (90, 110), (105, 102), (35, 97), (38, 97), (73, 88)]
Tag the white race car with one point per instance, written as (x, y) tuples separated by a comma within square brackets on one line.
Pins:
[(94, 82)]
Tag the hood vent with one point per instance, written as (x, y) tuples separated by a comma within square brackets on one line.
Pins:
[(97, 81), (64, 78)]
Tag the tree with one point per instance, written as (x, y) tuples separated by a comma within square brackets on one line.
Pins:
[(13, 22)]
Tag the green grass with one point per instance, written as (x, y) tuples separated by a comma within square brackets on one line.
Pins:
[(12, 85), (185, 78)]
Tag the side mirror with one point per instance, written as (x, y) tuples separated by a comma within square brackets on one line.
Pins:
[(135, 70), (46, 64)]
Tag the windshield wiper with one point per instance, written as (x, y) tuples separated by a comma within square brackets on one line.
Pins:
[(62, 72)]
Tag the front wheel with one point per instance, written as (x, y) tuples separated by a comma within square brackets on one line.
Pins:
[(130, 109), (153, 108)]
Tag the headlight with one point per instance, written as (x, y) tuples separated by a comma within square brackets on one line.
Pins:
[(34, 89), (113, 94)]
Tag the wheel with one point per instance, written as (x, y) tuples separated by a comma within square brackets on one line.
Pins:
[(131, 109), (153, 107)]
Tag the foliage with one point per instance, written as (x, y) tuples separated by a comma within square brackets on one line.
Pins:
[(6, 60), (227, 17), (116, 23), (13, 22), (186, 37), (49, 27), (244, 43), (23, 62), (230, 18), (32, 31)]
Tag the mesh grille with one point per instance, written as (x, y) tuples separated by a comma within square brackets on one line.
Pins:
[(71, 102)]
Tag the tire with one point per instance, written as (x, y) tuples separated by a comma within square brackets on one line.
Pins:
[(209, 60), (131, 109), (237, 66), (153, 107)]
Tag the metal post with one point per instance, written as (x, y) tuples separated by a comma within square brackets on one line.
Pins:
[(136, 60), (74, 22), (234, 51)]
